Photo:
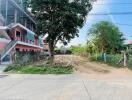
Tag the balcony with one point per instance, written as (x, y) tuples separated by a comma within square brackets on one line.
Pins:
[(24, 35)]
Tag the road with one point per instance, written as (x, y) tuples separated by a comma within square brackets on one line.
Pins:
[(65, 87)]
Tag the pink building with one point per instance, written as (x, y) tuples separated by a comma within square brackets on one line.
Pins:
[(17, 30)]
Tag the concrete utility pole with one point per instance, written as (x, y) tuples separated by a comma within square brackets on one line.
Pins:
[(15, 18), (125, 60), (0, 6), (6, 12)]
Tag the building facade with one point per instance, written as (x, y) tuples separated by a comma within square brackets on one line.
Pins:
[(17, 30)]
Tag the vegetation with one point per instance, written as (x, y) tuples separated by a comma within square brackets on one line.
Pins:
[(39, 69), (79, 50), (112, 60), (59, 51), (60, 19), (104, 37), (107, 37)]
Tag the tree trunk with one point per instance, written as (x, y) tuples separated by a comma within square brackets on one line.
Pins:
[(51, 46)]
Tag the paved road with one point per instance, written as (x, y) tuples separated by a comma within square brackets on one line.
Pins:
[(64, 87)]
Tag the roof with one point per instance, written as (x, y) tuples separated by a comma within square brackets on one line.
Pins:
[(3, 32), (3, 27), (130, 42), (23, 27)]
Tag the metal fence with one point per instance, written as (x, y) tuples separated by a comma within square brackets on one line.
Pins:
[(116, 60)]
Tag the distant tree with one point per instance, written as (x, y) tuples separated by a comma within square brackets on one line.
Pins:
[(107, 37), (60, 19)]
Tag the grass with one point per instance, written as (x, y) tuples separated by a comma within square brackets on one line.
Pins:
[(39, 69)]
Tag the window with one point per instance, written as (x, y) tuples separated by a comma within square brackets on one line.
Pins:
[(17, 34), (45, 50), (17, 49)]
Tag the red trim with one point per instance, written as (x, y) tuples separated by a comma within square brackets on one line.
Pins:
[(27, 48)]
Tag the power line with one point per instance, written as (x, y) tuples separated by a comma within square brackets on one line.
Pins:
[(114, 3), (124, 24), (111, 13)]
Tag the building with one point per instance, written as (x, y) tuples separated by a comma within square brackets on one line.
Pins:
[(130, 45), (17, 30)]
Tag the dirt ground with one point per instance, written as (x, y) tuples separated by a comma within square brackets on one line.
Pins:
[(86, 68)]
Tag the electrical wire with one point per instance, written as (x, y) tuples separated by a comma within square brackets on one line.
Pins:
[(111, 13), (114, 3)]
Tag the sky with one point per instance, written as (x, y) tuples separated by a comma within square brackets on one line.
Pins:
[(107, 6)]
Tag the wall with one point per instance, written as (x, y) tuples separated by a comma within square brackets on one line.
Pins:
[(3, 43), (22, 32)]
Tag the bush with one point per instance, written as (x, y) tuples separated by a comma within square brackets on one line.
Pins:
[(79, 50), (110, 59), (130, 62), (58, 51), (13, 67), (40, 69)]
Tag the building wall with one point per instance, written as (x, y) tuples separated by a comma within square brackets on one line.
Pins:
[(3, 43), (13, 34)]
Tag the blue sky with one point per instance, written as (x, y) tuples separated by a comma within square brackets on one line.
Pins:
[(108, 6)]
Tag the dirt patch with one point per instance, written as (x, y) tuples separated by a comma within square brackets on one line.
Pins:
[(82, 64), (95, 70)]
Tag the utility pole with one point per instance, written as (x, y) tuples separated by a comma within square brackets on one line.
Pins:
[(6, 12), (125, 59), (15, 16)]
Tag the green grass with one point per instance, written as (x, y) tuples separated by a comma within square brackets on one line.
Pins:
[(40, 69)]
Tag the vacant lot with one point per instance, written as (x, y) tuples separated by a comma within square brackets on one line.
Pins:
[(83, 65)]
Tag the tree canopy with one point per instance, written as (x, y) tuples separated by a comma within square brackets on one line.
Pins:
[(60, 19), (106, 36)]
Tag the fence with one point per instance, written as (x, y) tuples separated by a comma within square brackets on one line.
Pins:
[(116, 60), (28, 57)]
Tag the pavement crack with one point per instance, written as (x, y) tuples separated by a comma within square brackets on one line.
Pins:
[(87, 91)]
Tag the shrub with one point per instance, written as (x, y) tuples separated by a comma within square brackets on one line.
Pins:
[(13, 67), (130, 62), (40, 69)]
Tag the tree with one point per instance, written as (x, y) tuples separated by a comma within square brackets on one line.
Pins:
[(25, 4), (60, 19), (107, 37)]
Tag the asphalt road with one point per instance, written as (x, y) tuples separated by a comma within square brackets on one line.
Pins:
[(64, 87)]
